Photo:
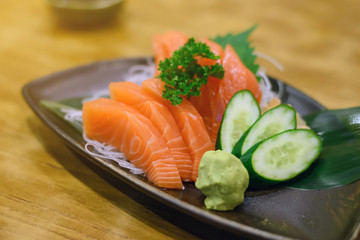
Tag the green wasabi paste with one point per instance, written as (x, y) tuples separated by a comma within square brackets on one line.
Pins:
[(222, 179)]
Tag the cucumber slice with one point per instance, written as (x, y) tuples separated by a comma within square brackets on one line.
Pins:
[(281, 157), (273, 121), (240, 113)]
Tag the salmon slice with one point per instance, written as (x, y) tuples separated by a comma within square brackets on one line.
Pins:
[(215, 48), (133, 134), (189, 121), (237, 77), (135, 96), (165, 44), (205, 102)]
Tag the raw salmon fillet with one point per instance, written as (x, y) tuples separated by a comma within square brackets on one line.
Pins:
[(135, 96), (133, 134), (237, 77), (205, 102), (189, 121)]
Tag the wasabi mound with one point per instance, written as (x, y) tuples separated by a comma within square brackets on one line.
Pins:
[(222, 179)]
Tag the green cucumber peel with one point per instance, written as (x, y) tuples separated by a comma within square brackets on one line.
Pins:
[(240, 113), (281, 157), (273, 121)]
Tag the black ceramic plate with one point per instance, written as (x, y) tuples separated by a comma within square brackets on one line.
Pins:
[(279, 213)]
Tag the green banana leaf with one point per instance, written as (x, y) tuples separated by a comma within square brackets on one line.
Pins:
[(63, 107), (338, 164)]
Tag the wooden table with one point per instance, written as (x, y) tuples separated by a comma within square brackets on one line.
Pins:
[(49, 192)]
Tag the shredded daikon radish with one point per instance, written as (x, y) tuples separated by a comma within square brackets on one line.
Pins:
[(98, 94), (72, 115), (270, 59), (265, 87), (138, 73), (98, 149)]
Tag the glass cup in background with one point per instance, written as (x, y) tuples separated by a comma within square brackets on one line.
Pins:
[(84, 13)]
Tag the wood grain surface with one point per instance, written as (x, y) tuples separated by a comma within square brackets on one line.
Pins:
[(49, 192)]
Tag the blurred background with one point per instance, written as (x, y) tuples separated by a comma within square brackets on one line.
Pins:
[(47, 191), (317, 42)]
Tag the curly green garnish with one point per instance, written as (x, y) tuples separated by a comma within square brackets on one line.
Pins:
[(183, 75)]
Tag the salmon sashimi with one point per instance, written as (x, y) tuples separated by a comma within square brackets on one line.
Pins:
[(189, 121), (165, 44), (205, 102), (135, 96), (237, 77), (215, 48), (133, 134)]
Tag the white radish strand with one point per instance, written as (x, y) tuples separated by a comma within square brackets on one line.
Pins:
[(138, 73), (98, 149), (265, 85), (270, 59), (72, 115), (97, 95)]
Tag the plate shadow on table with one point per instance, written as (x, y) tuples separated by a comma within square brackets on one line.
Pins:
[(53, 144)]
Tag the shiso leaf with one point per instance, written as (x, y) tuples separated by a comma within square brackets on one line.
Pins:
[(339, 162), (242, 47)]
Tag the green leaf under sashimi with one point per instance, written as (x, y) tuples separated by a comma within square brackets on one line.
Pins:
[(339, 162), (242, 47), (64, 107)]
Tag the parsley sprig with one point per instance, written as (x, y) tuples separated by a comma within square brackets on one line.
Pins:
[(183, 75)]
